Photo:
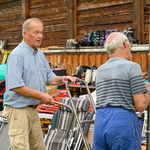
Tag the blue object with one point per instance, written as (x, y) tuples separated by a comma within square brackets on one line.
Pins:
[(2, 71), (4, 99), (116, 128)]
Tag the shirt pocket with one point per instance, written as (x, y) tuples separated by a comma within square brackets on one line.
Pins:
[(17, 139)]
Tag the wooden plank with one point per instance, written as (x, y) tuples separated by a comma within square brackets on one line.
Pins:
[(147, 2), (95, 59), (75, 63), (119, 9), (137, 19), (100, 4), (41, 3), (146, 10), (10, 10), (25, 8), (92, 60), (12, 28), (70, 19), (81, 60), (10, 4), (98, 60), (11, 34), (69, 65), (75, 20), (50, 15), (104, 20), (145, 62), (53, 42), (55, 21), (56, 28), (40, 10), (10, 47), (146, 37), (10, 23), (6, 1), (146, 27), (142, 22), (14, 39), (55, 35), (119, 27), (12, 16)]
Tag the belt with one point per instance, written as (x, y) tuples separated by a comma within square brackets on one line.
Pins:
[(33, 106)]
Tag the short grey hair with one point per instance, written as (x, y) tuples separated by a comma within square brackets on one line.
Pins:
[(27, 24), (115, 43)]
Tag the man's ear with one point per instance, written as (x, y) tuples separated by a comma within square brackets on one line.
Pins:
[(24, 32), (125, 43)]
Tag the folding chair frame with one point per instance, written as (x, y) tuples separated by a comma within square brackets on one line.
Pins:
[(87, 146)]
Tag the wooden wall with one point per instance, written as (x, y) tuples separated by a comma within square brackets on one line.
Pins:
[(64, 19), (108, 14), (54, 16), (10, 22), (92, 59), (146, 21), (77, 59)]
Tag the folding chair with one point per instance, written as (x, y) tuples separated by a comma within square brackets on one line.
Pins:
[(83, 133), (4, 137), (66, 128)]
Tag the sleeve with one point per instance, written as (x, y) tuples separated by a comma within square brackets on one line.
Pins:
[(14, 72), (136, 80)]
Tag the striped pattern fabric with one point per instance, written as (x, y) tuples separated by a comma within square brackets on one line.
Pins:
[(116, 83), (81, 104), (55, 139)]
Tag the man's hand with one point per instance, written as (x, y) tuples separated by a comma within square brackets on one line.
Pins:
[(46, 99), (66, 78)]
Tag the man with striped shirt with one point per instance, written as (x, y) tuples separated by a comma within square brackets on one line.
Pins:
[(120, 91)]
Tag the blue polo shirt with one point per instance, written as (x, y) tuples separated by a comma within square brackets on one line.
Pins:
[(26, 67)]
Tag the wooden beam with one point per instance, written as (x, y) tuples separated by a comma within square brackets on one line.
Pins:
[(24, 10), (138, 20), (75, 20), (147, 2), (72, 24), (142, 22), (70, 18)]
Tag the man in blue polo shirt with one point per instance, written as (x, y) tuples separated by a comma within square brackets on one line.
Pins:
[(27, 75), (120, 91)]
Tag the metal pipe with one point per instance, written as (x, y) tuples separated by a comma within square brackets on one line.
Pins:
[(87, 146), (148, 113)]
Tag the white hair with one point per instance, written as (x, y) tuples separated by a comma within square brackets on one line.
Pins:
[(115, 43)]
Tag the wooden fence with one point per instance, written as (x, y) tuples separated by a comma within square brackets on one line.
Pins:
[(95, 56)]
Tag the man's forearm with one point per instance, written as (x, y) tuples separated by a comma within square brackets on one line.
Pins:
[(28, 92), (56, 80)]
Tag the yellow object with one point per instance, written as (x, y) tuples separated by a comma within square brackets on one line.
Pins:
[(45, 121), (5, 54)]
